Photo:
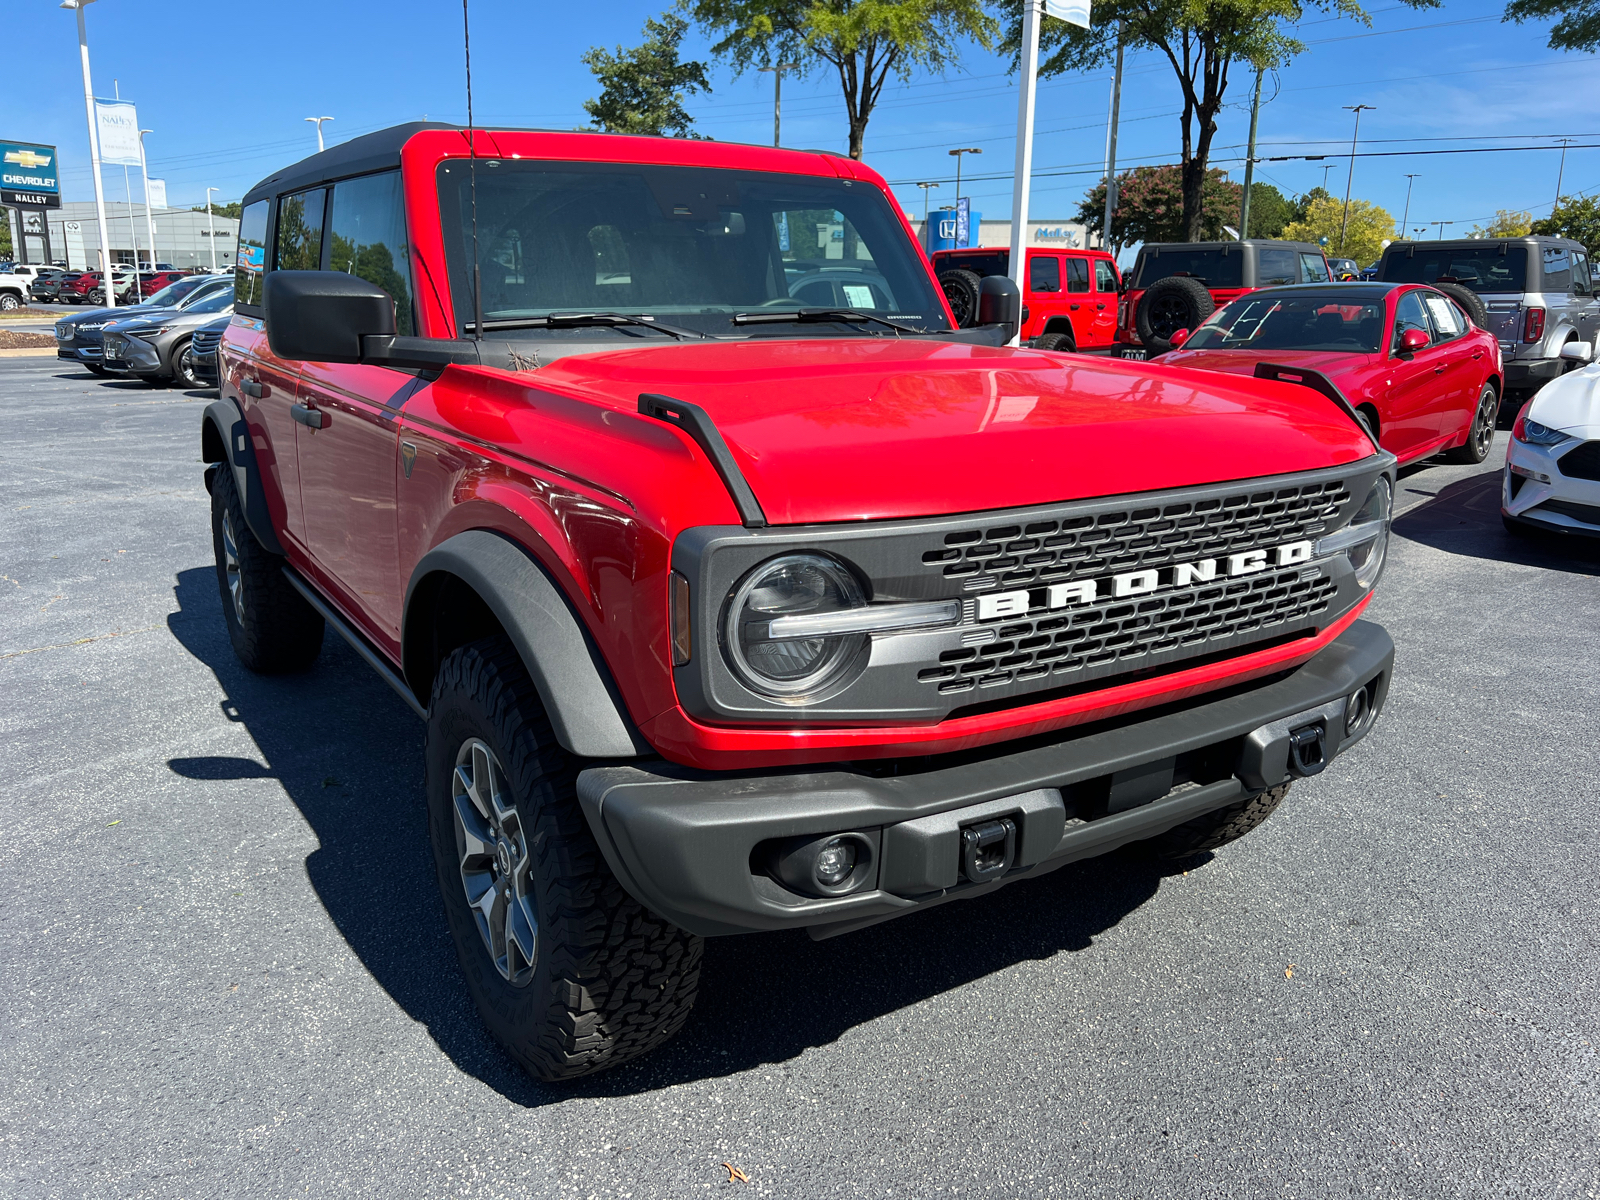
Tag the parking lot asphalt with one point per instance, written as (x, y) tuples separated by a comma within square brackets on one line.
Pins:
[(226, 970)]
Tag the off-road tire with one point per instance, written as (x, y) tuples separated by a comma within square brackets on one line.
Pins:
[(272, 628), (1213, 829), (1469, 301), (1174, 301), (1062, 343), (1480, 434), (610, 979), (961, 289)]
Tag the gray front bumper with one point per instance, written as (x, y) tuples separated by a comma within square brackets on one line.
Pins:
[(682, 841)]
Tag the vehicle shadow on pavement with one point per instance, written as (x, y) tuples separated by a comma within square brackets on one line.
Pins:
[(348, 753), (1464, 518)]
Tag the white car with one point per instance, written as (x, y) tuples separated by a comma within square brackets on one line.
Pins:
[(1552, 475)]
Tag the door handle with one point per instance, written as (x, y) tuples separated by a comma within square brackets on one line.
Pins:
[(1075, 307), (1099, 307), (252, 387), (306, 416), (1439, 370)]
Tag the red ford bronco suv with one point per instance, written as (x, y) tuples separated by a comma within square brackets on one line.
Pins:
[(1069, 299), (727, 611)]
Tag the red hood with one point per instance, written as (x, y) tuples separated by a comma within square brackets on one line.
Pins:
[(852, 429), (1243, 362)]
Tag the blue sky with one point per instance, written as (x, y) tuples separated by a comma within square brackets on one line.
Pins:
[(225, 88)]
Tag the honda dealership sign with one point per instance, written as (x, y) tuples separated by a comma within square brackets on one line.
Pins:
[(29, 178)]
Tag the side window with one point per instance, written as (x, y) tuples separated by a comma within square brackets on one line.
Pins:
[(1557, 270), (1314, 268), (1447, 322), (1044, 273), (1077, 275), (1409, 314), (251, 257), (368, 238), (299, 241), (1105, 279), (1275, 265), (1581, 283)]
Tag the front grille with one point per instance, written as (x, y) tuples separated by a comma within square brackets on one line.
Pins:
[(1587, 513), (1123, 632), (206, 341), (1582, 462), (1131, 539)]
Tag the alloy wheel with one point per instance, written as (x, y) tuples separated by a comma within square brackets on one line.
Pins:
[(230, 565), (1483, 423), (183, 367), (495, 861)]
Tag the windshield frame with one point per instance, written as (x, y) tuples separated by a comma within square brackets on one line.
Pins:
[(903, 270)]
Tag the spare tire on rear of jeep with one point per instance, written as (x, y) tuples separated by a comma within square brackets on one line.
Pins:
[(961, 290), (1468, 301), (1168, 305)]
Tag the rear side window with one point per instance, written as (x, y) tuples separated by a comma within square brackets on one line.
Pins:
[(1581, 284), (1314, 269), (1276, 266), (367, 238), (1490, 269), (251, 258), (1044, 274), (1105, 279), (1219, 268), (1077, 275), (299, 243), (1557, 269)]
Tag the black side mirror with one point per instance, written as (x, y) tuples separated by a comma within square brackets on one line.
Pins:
[(322, 316), (1000, 303)]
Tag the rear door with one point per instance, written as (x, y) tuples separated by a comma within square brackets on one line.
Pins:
[(1456, 401), (348, 436), (1409, 420), (1106, 297)]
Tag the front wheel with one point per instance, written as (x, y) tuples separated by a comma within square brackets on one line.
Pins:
[(9, 303), (1059, 342), (1480, 436), (183, 366), (569, 972)]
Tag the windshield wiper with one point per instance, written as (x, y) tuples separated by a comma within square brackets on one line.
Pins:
[(802, 315), (564, 320)]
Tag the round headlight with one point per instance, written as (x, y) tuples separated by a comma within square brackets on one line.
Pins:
[(776, 662)]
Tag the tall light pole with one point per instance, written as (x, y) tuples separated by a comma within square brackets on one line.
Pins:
[(317, 121), (777, 96), (1565, 142), (1441, 225), (149, 216), (94, 150), (1407, 214), (927, 237), (212, 222), (974, 150), (1358, 109)]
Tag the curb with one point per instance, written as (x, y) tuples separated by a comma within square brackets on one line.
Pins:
[(29, 352)]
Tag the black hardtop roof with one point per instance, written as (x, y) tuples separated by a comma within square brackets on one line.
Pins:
[(1155, 248), (380, 151), (1486, 243)]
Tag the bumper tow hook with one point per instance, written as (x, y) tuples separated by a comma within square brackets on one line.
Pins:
[(1307, 755), (988, 849)]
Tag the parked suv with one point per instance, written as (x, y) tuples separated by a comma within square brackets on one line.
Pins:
[(1535, 294), (46, 283), (726, 611), (1069, 301), (80, 337), (1177, 285), (13, 290)]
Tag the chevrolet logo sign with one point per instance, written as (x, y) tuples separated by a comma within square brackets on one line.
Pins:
[(27, 158)]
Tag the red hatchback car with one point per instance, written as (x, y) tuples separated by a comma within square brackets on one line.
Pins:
[(1405, 356)]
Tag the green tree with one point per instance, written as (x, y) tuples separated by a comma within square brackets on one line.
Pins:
[(1577, 21), (1270, 211), (642, 90), (1302, 204), (1368, 228), (863, 41), (233, 209), (1201, 40), (1150, 207), (5, 239), (1575, 217), (1507, 223)]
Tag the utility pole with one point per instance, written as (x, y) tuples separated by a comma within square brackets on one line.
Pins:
[(1560, 174), (1111, 147), (927, 236), (1344, 224), (1250, 160), (317, 121), (1406, 216), (777, 96), (212, 222), (94, 150), (149, 215)]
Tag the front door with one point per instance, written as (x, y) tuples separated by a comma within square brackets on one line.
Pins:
[(1409, 420), (1044, 298), (1080, 298)]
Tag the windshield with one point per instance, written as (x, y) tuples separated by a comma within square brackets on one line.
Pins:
[(690, 245), (1219, 268), (217, 301), (1491, 269), (1343, 322)]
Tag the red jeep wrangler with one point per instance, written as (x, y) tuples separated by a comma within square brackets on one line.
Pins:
[(1069, 303), (1176, 286), (727, 611)]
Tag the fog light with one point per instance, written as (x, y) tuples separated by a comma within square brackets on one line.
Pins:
[(1357, 710), (835, 862)]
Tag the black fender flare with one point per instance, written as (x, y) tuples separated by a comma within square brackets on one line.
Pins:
[(225, 437), (585, 709)]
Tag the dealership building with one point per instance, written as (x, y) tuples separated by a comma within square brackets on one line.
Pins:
[(183, 238)]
